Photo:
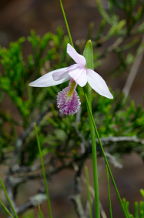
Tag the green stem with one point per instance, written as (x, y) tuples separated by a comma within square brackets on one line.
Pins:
[(105, 158), (66, 23), (109, 193), (8, 199), (40, 213), (88, 192), (94, 161), (5, 209), (44, 173)]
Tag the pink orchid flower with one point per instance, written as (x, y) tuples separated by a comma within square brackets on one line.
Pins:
[(77, 73)]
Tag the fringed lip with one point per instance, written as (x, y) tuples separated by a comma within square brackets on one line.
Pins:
[(68, 104)]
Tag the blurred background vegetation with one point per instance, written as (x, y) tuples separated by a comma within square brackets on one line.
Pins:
[(32, 42)]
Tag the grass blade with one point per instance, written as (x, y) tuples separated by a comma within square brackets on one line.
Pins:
[(44, 173), (109, 194), (88, 192), (8, 199), (5, 209), (66, 23)]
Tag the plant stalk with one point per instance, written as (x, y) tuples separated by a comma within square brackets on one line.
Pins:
[(94, 162)]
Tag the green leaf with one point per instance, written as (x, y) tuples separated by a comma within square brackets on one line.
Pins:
[(88, 54), (117, 28), (142, 192)]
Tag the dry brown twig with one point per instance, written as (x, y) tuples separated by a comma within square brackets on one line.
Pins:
[(134, 69)]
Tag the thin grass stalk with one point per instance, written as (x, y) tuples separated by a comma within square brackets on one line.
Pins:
[(40, 213), (44, 173), (66, 23), (88, 192), (8, 199), (95, 168), (109, 193), (5, 209)]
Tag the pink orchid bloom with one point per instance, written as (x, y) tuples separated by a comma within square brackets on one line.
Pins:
[(77, 72)]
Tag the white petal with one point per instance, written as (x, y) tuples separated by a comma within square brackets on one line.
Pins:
[(79, 76), (60, 73), (79, 59), (98, 84), (47, 79)]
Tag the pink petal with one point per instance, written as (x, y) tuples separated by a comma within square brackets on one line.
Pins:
[(79, 76), (63, 72), (47, 79), (60, 73), (98, 84), (79, 59)]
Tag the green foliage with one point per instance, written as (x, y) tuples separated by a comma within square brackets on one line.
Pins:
[(132, 10), (18, 70), (138, 208)]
